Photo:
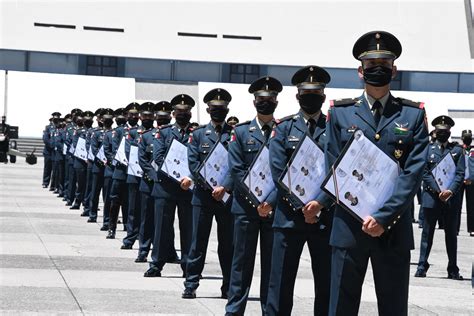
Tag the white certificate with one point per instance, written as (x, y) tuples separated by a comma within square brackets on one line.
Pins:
[(90, 156), (175, 163), (120, 155), (81, 151), (134, 168), (363, 177), (466, 172), (259, 180), (64, 149), (305, 172), (215, 168), (72, 149), (101, 155), (444, 172)]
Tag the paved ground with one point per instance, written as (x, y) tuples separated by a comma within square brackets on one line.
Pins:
[(53, 262)]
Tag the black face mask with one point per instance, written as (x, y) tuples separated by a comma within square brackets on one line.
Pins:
[(79, 123), (108, 122), (148, 123), (311, 103), (182, 118), (467, 140), (133, 121), (378, 76), (120, 120), (442, 136), (163, 120), (100, 123), (265, 107), (218, 114), (88, 123)]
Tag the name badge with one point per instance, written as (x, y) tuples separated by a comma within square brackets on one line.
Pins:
[(205, 145), (293, 139), (250, 142)]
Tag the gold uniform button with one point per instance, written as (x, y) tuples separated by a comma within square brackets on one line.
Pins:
[(400, 141), (389, 227), (377, 136)]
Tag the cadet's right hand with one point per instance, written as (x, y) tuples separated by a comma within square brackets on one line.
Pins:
[(186, 183), (467, 182), (445, 195)]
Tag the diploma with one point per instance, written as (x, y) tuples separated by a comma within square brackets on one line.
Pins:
[(64, 149), (215, 168), (304, 173), (120, 155), (134, 168), (444, 172), (81, 151), (258, 180), (90, 156), (175, 163), (363, 177), (101, 155)]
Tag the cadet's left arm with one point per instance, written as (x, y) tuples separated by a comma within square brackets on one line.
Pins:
[(409, 180), (460, 169)]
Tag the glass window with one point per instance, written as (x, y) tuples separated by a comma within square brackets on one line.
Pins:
[(244, 73), (101, 66)]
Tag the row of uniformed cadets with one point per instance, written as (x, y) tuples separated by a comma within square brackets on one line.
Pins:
[(339, 245)]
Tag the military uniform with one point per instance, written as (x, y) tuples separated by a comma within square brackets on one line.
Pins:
[(98, 167), (435, 208), (205, 207), (48, 152), (90, 165), (108, 174), (80, 168), (69, 166), (397, 127)]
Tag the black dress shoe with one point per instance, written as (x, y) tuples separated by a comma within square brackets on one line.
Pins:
[(60, 195), (75, 207), (52, 189), (124, 228), (224, 295), (104, 228), (455, 276), (126, 246), (92, 220), (110, 234), (64, 200), (189, 293), (152, 273), (140, 259), (56, 192), (420, 273), (85, 214), (68, 203)]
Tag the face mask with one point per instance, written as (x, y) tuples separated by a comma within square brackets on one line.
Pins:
[(108, 122), (442, 136), (378, 76), (163, 120), (88, 123), (148, 123), (80, 123), (183, 118), (218, 114), (120, 120), (311, 103), (133, 121), (265, 107), (467, 140), (100, 123)]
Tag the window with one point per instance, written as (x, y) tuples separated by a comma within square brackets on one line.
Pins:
[(101, 66), (244, 73)]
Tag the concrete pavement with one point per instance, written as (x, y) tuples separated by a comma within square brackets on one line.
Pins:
[(53, 262)]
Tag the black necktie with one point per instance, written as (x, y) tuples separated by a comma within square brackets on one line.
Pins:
[(377, 108), (182, 131), (218, 129), (311, 126), (266, 131)]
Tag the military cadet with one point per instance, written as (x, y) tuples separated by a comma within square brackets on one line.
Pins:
[(90, 159), (296, 224), (397, 127), (80, 165), (163, 113), (145, 159), (109, 155), (466, 137), (63, 132), (5, 141), (118, 192), (208, 203), (71, 174), (441, 203), (54, 158), (47, 153), (232, 121), (169, 194), (131, 136), (251, 220), (58, 164), (98, 166)]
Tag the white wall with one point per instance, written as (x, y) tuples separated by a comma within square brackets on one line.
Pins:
[(32, 97), (433, 33), (436, 103), (2, 93)]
